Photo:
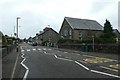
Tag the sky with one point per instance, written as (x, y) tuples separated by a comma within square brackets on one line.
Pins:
[(35, 15)]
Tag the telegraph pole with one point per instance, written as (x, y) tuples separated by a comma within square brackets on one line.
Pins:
[(17, 25), (17, 31)]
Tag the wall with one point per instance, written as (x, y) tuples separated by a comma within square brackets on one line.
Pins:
[(102, 48)]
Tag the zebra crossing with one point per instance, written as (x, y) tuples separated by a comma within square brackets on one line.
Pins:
[(34, 49)]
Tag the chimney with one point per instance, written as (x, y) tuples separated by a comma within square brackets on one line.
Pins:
[(47, 28)]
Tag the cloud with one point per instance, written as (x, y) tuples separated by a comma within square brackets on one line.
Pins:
[(37, 14)]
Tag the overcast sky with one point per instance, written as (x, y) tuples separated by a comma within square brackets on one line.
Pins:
[(37, 14)]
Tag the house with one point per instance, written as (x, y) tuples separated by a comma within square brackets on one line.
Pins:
[(48, 37), (79, 29), (117, 33)]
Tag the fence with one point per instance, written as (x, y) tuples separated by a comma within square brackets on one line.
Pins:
[(6, 50), (103, 48)]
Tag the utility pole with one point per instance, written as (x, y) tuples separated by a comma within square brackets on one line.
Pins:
[(17, 26), (17, 31)]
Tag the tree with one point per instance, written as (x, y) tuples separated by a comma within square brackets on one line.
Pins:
[(108, 27), (108, 36)]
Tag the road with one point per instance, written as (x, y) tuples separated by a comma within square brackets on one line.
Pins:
[(45, 62)]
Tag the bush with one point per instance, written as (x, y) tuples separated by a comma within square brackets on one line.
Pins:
[(72, 41)]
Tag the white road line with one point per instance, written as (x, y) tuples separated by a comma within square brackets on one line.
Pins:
[(25, 76), (44, 49), (64, 59), (28, 49), (55, 56), (22, 50), (27, 69), (65, 52), (39, 49), (34, 49), (82, 65), (105, 73), (14, 67), (45, 52), (22, 56)]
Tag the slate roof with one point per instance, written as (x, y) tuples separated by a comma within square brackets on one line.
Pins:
[(76, 23), (116, 32), (47, 30)]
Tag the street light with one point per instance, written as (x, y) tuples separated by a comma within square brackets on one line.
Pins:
[(17, 32), (17, 26)]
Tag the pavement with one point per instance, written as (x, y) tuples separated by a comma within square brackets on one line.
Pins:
[(10, 63)]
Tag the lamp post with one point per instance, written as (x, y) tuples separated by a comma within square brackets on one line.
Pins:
[(17, 26), (17, 32)]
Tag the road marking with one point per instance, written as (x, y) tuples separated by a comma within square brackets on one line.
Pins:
[(116, 66), (34, 49), (44, 49), (108, 59), (96, 60), (105, 73), (14, 67), (45, 52), (39, 49), (50, 49), (64, 59), (55, 56), (27, 69), (109, 68), (28, 49), (65, 52), (82, 65), (22, 50)]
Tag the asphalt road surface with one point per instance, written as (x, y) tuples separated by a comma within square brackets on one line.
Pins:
[(45, 62)]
